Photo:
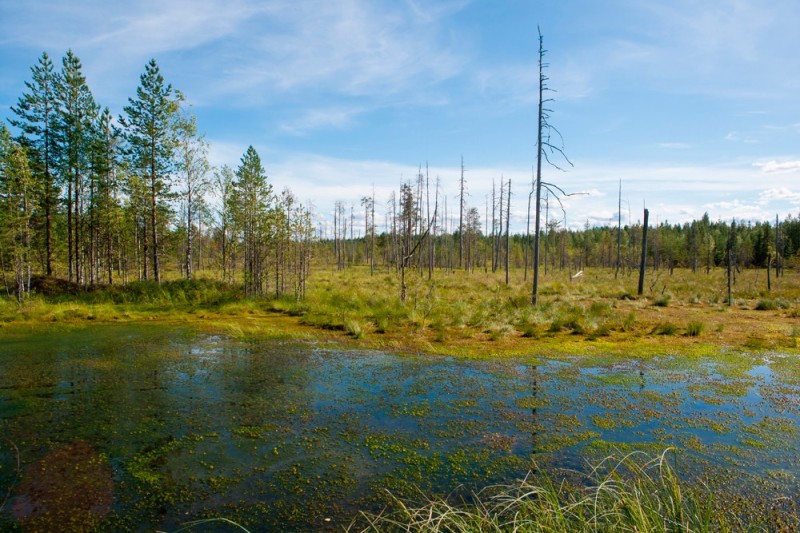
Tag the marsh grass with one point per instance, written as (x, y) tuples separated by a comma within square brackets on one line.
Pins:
[(694, 328), (633, 493), (464, 308), (662, 300), (770, 305), (665, 328)]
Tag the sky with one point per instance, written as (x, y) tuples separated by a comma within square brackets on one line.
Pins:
[(694, 106)]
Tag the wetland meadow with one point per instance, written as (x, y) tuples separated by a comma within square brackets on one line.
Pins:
[(153, 407)]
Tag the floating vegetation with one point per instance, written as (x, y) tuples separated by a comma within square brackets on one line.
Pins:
[(275, 434)]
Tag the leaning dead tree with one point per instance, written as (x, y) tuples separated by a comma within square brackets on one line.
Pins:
[(545, 148), (409, 215)]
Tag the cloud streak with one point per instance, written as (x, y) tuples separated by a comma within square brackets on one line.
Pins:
[(771, 167)]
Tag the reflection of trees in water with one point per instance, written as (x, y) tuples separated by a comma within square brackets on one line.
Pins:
[(534, 371), (69, 489)]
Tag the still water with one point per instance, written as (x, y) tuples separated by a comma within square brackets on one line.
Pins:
[(144, 428)]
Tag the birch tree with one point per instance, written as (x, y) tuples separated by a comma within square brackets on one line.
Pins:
[(16, 196)]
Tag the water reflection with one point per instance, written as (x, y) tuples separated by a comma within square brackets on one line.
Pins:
[(281, 435)]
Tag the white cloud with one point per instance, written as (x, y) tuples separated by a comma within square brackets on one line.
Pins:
[(735, 136), (314, 119), (783, 194), (349, 47), (770, 167)]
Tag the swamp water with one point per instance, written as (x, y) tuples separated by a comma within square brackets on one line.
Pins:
[(144, 428)]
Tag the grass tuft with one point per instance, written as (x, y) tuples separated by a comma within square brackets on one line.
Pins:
[(694, 329), (662, 300), (633, 493), (665, 328), (353, 328), (770, 305)]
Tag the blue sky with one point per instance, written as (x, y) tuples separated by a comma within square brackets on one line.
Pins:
[(694, 105)]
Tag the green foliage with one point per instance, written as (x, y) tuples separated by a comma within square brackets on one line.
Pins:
[(151, 137)]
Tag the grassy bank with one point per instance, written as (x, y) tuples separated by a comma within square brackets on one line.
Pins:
[(472, 314)]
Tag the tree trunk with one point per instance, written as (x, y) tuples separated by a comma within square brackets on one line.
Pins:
[(539, 152), (154, 221), (643, 262)]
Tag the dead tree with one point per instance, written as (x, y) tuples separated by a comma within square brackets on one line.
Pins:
[(643, 262), (545, 148)]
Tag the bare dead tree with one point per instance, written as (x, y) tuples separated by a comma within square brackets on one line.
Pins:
[(461, 217), (545, 149), (643, 262), (619, 227), (508, 231)]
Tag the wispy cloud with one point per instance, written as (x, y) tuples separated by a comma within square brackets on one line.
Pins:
[(326, 118), (735, 136), (783, 194), (770, 167), (350, 47)]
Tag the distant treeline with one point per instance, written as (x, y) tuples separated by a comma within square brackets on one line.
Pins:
[(700, 245)]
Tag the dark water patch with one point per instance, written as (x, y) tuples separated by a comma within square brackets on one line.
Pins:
[(287, 436)]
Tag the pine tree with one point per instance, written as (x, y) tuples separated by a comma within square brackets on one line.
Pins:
[(77, 113), (36, 114), (252, 218), (105, 215), (151, 137)]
